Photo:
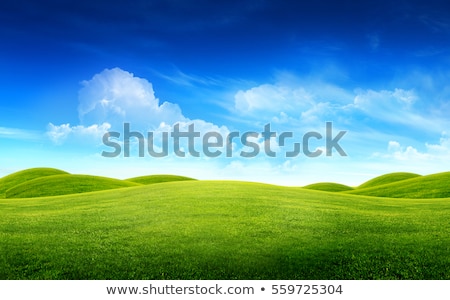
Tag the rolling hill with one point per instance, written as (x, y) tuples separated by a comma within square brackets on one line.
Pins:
[(65, 184), (150, 179), (328, 187), (388, 178), (23, 176), (430, 186), (223, 230)]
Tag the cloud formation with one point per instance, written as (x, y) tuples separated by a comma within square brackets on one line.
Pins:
[(117, 96), (273, 98), (20, 134), (111, 98), (114, 97), (306, 102), (291, 102), (58, 134), (439, 151)]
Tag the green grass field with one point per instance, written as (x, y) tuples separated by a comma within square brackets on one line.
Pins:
[(195, 229)]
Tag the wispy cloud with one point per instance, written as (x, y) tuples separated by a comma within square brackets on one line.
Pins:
[(189, 80), (312, 101), (292, 100), (397, 106), (20, 134), (436, 23)]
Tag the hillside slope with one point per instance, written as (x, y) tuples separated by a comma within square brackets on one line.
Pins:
[(150, 179), (328, 187), (65, 184), (430, 186), (388, 178), (16, 178)]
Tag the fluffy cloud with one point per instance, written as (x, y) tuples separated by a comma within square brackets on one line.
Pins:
[(288, 102), (110, 99), (441, 149), (398, 152), (114, 97), (117, 96), (312, 99), (437, 152)]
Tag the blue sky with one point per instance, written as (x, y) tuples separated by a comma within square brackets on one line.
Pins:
[(379, 70)]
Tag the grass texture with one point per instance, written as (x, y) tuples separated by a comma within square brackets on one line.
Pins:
[(195, 229)]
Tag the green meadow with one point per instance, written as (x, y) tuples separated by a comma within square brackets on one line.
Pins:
[(55, 225)]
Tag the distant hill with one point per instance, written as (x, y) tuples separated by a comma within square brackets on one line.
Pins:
[(65, 184), (150, 179), (430, 186), (328, 187), (388, 178), (40, 182)]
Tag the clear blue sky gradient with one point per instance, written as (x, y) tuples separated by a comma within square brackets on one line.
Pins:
[(377, 69)]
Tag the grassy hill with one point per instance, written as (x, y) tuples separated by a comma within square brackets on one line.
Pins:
[(388, 178), (430, 186), (14, 179), (191, 229), (150, 179), (223, 230), (328, 187), (63, 185)]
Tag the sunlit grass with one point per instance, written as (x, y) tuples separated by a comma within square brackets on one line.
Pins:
[(150, 179), (328, 187), (63, 185), (17, 178), (430, 186), (223, 230)]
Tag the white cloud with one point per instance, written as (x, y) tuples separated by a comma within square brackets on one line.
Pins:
[(442, 148), (60, 133), (409, 153), (372, 102), (434, 152), (292, 101), (114, 97), (312, 101), (394, 146), (117, 96), (397, 107), (309, 100)]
